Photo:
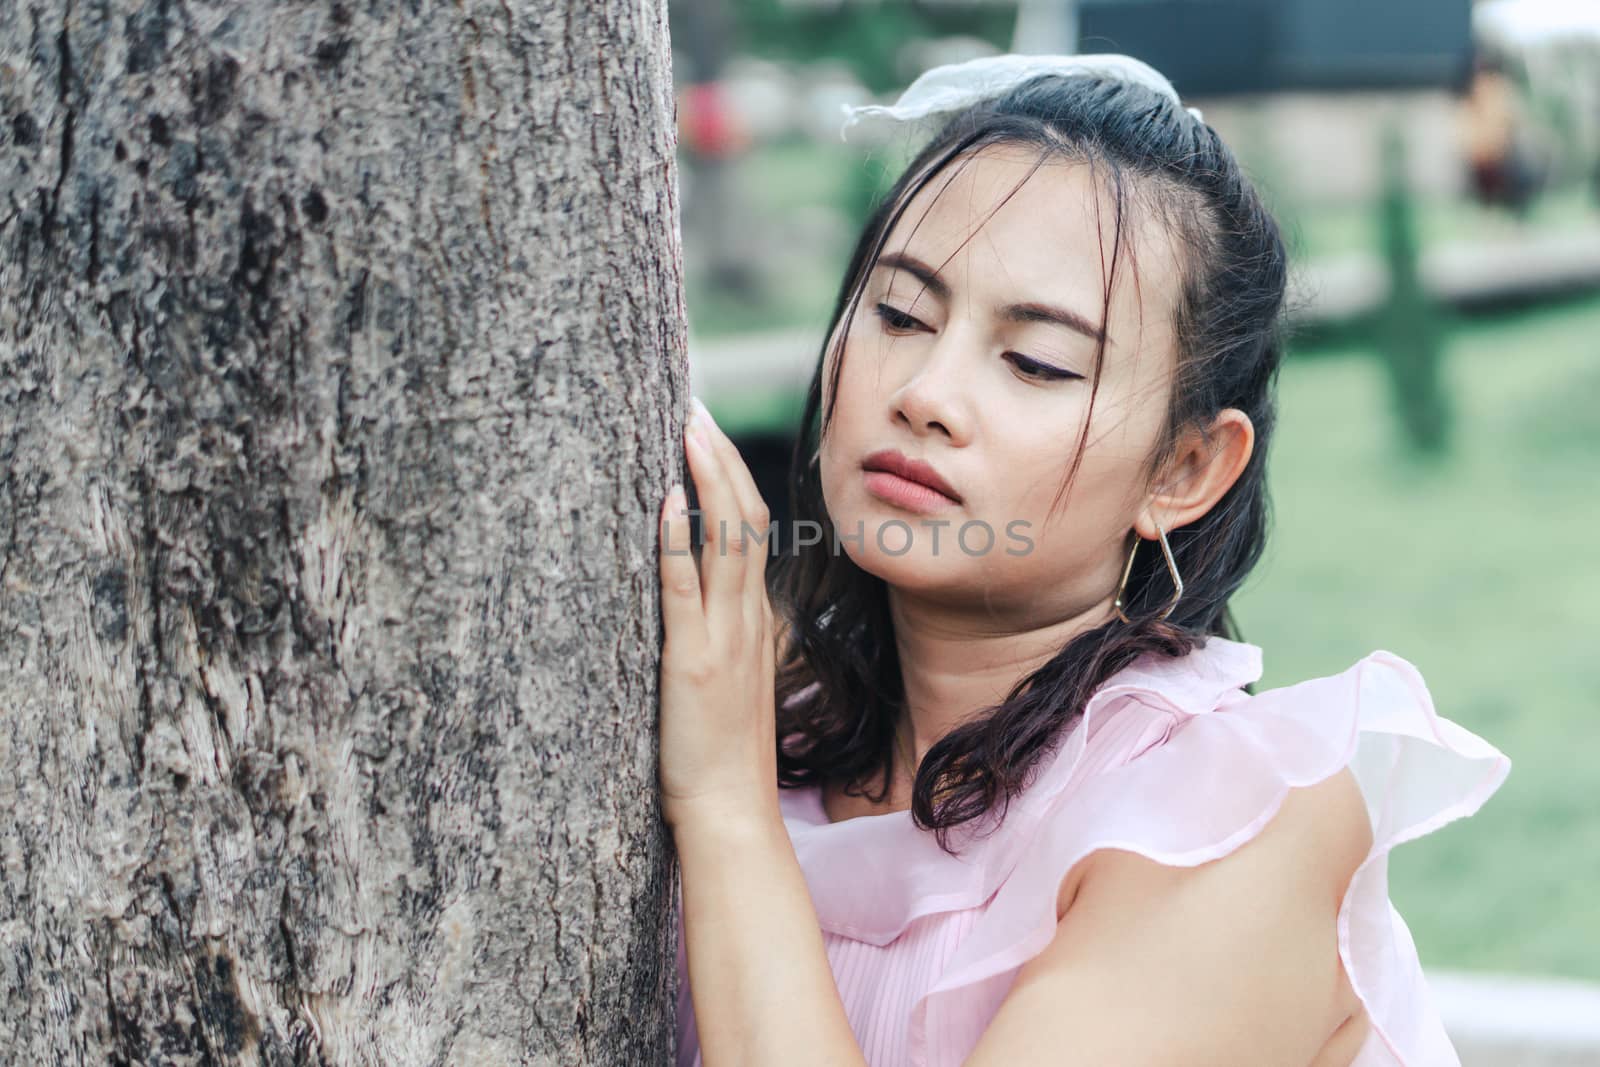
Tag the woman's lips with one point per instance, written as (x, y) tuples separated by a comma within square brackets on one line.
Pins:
[(904, 493)]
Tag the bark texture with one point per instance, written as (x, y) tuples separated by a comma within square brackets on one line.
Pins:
[(341, 357)]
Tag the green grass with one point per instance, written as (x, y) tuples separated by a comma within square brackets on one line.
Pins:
[(1484, 571)]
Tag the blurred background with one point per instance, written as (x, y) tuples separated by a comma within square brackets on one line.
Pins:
[(1436, 473)]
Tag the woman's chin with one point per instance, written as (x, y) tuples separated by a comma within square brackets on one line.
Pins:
[(910, 576), (913, 566)]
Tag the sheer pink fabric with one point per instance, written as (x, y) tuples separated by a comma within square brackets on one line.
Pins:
[(1171, 760)]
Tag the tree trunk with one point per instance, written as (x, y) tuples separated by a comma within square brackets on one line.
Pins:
[(340, 346)]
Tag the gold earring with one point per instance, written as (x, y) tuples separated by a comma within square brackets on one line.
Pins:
[(1172, 569)]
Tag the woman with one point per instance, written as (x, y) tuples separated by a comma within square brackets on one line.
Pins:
[(1057, 339)]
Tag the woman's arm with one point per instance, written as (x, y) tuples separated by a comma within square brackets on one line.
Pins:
[(762, 987), (761, 984)]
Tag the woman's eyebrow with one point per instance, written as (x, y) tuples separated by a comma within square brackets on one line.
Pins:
[(1030, 311)]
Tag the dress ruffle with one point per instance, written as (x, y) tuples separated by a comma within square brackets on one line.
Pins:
[(1174, 761)]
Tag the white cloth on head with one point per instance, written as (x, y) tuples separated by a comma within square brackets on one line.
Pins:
[(956, 85)]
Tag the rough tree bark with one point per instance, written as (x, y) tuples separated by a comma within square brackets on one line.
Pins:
[(341, 346)]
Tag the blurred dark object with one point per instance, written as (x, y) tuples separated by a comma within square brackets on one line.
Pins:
[(702, 38), (1220, 47), (1410, 326), (1503, 168), (768, 455), (1550, 49)]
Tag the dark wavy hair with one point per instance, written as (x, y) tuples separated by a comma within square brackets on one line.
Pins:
[(838, 686)]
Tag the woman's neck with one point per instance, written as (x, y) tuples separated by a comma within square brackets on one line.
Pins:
[(956, 663)]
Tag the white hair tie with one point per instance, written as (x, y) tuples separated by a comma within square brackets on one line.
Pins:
[(957, 85)]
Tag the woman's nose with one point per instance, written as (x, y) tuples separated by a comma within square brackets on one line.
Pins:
[(935, 397)]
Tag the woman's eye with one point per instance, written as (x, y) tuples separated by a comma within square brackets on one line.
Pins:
[(896, 319), (1030, 368)]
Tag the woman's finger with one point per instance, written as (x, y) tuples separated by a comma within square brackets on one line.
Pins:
[(722, 561), (752, 508), (682, 612)]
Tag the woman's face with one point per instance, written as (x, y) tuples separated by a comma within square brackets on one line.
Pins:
[(972, 351)]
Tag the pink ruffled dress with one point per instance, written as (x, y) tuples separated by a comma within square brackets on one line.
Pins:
[(1173, 760)]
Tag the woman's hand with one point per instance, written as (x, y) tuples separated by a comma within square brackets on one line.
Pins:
[(718, 732)]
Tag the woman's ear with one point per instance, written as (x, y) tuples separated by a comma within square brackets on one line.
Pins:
[(1202, 469)]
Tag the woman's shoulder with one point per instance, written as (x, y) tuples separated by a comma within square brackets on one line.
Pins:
[(1316, 837), (1302, 789), (1274, 901)]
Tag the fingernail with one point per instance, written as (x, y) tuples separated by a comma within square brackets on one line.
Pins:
[(699, 421), (701, 412)]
